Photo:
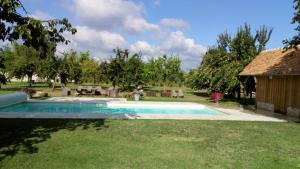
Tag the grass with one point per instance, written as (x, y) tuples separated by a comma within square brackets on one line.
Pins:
[(3, 92), (43, 144)]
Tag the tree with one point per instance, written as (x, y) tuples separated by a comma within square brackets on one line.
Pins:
[(103, 72), (295, 40), (24, 62), (75, 66), (2, 68), (89, 68), (16, 23), (153, 73), (164, 70), (221, 65), (116, 67), (63, 70), (134, 70)]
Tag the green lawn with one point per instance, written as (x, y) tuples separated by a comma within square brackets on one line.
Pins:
[(155, 144), (3, 92)]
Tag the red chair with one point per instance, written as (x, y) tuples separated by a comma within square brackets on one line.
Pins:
[(216, 96)]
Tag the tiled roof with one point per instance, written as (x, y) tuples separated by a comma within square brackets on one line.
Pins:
[(275, 62)]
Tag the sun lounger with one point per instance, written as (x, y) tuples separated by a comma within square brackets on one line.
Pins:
[(89, 90), (173, 94), (98, 91), (79, 91), (180, 94)]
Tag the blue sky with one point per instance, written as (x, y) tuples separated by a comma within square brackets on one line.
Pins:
[(179, 27)]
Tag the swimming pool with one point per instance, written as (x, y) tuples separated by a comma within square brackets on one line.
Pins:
[(103, 108)]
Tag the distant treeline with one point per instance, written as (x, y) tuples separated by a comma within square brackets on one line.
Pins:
[(123, 69)]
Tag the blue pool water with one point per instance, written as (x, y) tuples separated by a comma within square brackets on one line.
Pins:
[(54, 107)]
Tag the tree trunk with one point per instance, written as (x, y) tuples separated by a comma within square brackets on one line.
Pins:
[(29, 79), (239, 92), (94, 80)]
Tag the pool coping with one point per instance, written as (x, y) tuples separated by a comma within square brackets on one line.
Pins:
[(228, 114)]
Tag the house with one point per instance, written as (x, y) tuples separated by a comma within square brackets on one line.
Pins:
[(277, 76)]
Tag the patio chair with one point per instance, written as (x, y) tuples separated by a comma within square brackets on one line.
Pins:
[(79, 91), (165, 93), (89, 90), (98, 90), (83, 91), (173, 94), (180, 94), (151, 94), (216, 96)]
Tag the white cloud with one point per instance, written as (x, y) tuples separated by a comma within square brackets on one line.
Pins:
[(157, 2), (134, 25), (99, 43), (110, 23), (176, 23), (121, 15), (174, 44), (41, 15), (148, 51), (186, 48)]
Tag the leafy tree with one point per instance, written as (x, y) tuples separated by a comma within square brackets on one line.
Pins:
[(47, 69), (134, 70), (73, 65), (174, 74), (103, 72), (89, 68), (2, 68), (16, 23), (164, 70), (24, 62), (153, 73), (295, 40), (116, 67), (63, 69), (221, 65)]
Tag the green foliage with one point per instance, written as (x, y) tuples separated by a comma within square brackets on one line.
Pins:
[(89, 68), (23, 61), (33, 32), (2, 68), (153, 72), (295, 40), (221, 65), (164, 70), (134, 70), (116, 67), (123, 70)]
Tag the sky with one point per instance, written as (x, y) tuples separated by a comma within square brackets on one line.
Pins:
[(184, 28)]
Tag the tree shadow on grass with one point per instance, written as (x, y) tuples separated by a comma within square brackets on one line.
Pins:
[(23, 135)]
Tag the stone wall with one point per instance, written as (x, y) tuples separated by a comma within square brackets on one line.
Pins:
[(265, 106), (293, 112)]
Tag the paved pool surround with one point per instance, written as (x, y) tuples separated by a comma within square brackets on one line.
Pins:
[(227, 114)]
